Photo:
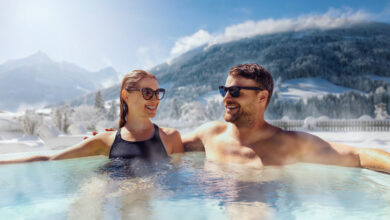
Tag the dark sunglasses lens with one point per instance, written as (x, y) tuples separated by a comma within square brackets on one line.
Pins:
[(222, 91), (160, 93), (234, 92), (147, 93)]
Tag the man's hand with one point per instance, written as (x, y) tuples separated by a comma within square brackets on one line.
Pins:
[(94, 133)]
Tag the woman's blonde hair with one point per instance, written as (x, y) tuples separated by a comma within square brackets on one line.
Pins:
[(130, 81)]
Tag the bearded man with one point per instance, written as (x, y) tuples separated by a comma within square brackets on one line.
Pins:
[(246, 138)]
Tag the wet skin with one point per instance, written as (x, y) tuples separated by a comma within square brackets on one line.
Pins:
[(137, 128), (247, 139)]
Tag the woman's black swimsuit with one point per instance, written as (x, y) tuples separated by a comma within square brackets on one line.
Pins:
[(136, 158), (148, 150)]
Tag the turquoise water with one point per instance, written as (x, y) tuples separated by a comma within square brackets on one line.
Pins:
[(188, 187)]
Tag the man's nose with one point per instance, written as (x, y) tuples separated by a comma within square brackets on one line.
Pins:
[(227, 96)]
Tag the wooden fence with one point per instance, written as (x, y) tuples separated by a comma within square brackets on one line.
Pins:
[(334, 125)]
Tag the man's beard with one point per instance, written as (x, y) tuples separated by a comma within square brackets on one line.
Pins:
[(241, 118)]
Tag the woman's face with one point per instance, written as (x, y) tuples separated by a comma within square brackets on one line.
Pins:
[(137, 104)]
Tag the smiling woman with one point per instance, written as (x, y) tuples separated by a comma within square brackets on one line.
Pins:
[(137, 137)]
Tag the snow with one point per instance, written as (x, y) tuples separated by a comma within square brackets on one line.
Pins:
[(44, 111), (379, 78), (8, 123), (210, 96), (307, 87), (380, 140), (19, 144)]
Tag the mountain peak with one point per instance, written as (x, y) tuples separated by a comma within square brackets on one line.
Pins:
[(39, 57), (109, 69)]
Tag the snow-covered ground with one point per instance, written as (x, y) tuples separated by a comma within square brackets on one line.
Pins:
[(20, 144), (48, 139), (307, 87), (380, 140), (379, 78)]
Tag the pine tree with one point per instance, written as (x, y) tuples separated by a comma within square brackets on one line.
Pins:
[(381, 111), (57, 118), (112, 112), (30, 122), (99, 101), (65, 123), (175, 108)]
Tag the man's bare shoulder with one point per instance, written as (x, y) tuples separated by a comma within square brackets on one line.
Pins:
[(292, 138), (303, 141), (194, 141), (213, 127), (293, 135)]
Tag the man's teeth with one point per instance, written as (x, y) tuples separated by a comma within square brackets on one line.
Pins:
[(151, 107), (232, 106)]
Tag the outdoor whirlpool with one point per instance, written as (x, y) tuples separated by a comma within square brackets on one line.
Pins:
[(189, 187)]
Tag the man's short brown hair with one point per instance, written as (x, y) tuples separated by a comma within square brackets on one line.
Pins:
[(257, 73)]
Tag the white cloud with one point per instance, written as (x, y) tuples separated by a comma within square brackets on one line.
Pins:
[(148, 56), (189, 42), (331, 19)]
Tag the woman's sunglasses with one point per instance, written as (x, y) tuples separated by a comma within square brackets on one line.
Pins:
[(235, 90), (147, 93)]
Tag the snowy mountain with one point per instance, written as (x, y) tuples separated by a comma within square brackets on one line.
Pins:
[(346, 69), (37, 80)]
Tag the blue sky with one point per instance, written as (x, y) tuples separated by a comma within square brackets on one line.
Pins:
[(140, 34)]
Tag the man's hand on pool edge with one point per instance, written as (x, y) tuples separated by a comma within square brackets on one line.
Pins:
[(374, 159)]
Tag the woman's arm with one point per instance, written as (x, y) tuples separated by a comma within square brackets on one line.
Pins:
[(97, 145)]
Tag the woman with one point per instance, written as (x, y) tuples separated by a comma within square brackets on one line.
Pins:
[(137, 136)]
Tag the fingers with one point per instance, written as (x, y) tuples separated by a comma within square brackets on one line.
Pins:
[(95, 132)]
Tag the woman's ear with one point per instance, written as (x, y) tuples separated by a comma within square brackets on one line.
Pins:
[(124, 95)]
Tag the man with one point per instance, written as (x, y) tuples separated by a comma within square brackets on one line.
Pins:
[(248, 139)]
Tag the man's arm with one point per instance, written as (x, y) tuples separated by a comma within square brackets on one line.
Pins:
[(193, 142), (315, 150), (370, 158)]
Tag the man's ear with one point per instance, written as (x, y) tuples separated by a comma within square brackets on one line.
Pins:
[(263, 96)]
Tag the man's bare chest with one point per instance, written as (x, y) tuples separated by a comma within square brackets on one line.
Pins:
[(268, 152)]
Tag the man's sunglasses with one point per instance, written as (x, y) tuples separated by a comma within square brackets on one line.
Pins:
[(235, 90), (148, 93)]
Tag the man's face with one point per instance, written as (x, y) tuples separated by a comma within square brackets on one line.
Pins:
[(243, 109)]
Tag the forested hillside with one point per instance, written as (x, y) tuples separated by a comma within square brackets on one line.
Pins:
[(356, 57)]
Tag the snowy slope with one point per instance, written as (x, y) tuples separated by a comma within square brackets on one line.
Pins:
[(307, 87), (379, 78), (295, 89)]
